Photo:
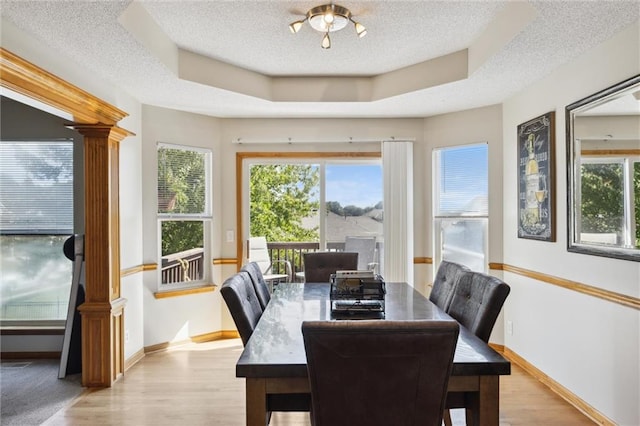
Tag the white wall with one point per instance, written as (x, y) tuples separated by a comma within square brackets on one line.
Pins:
[(588, 345), (177, 319)]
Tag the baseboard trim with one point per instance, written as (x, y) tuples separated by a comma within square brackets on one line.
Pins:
[(557, 388), (201, 338), (133, 359)]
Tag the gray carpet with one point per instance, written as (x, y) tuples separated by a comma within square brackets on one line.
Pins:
[(32, 392)]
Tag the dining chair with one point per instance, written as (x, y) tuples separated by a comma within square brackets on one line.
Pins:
[(445, 283), (240, 296), (475, 303), (319, 265), (242, 301), (259, 284), (375, 373)]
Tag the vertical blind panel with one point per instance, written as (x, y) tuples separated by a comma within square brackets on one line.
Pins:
[(182, 185), (462, 175), (36, 187), (397, 175)]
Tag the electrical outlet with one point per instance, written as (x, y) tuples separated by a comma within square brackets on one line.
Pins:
[(126, 336), (510, 327)]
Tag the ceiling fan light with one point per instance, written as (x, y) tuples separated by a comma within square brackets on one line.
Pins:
[(326, 41), (361, 30), (295, 26)]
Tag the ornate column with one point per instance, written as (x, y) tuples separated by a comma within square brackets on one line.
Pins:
[(102, 312)]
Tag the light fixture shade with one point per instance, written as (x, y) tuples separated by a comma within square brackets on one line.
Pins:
[(326, 41), (360, 29), (326, 19), (295, 26)]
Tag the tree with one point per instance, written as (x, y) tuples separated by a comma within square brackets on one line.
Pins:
[(281, 196), (602, 198)]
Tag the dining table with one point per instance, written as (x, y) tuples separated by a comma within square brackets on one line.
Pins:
[(274, 360)]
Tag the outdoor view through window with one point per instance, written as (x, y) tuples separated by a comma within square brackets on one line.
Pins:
[(319, 204), (36, 217)]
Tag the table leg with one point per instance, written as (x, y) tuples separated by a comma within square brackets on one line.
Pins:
[(256, 400), (484, 406)]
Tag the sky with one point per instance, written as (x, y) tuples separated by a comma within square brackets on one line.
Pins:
[(358, 185)]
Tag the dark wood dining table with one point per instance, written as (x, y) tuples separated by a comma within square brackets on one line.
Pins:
[(274, 359)]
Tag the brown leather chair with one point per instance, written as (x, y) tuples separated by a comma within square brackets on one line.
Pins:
[(379, 373), (445, 282), (475, 303), (240, 296), (242, 301), (318, 266), (259, 284)]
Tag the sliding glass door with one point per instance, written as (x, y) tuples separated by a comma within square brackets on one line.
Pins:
[(308, 205)]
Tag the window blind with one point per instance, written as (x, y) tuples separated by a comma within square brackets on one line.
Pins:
[(462, 181), (36, 187), (182, 181)]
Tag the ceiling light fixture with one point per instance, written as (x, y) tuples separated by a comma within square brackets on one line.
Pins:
[(326, 19)]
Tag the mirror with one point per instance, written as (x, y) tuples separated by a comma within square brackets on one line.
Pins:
[(603, 172)]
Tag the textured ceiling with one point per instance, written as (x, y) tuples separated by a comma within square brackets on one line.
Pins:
[(253, 35)]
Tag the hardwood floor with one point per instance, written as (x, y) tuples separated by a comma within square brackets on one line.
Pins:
[(196, 385)]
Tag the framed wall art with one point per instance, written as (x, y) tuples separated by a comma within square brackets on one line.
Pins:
[(536, 190)]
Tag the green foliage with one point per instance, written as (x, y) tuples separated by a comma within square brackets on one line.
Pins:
[(602, 198), (181, 180), (281, 196), (179, 236)]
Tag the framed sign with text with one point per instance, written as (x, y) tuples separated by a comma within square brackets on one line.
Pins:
[(536, 190)]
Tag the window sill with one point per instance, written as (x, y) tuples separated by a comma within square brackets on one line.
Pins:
[(184, 292)]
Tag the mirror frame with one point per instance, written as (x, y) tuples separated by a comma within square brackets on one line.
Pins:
[(572, 244)]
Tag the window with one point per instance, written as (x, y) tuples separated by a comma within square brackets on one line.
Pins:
[(36, 217), (184, 214), (315, 204), (460, 200), (610, 197)]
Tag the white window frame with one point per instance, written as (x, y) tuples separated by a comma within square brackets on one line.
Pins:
[(205, 217), (439, 220), (629, 226)]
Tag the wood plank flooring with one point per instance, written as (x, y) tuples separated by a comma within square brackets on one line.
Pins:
[(196, 385)]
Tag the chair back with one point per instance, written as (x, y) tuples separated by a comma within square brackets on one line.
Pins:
[(445, 282), (319, 265), (379, 372), (242, 301), (259, 284), (477, 301), (258, 252), (366, 249)]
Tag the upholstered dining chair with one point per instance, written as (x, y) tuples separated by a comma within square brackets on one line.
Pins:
[(240, 296), (242, 301), (445, 283), (475, 303), (379, 373), (319, 265), (259, 284)]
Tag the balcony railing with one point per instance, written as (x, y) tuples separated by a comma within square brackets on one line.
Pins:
[(293, 251), (183, 266)]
